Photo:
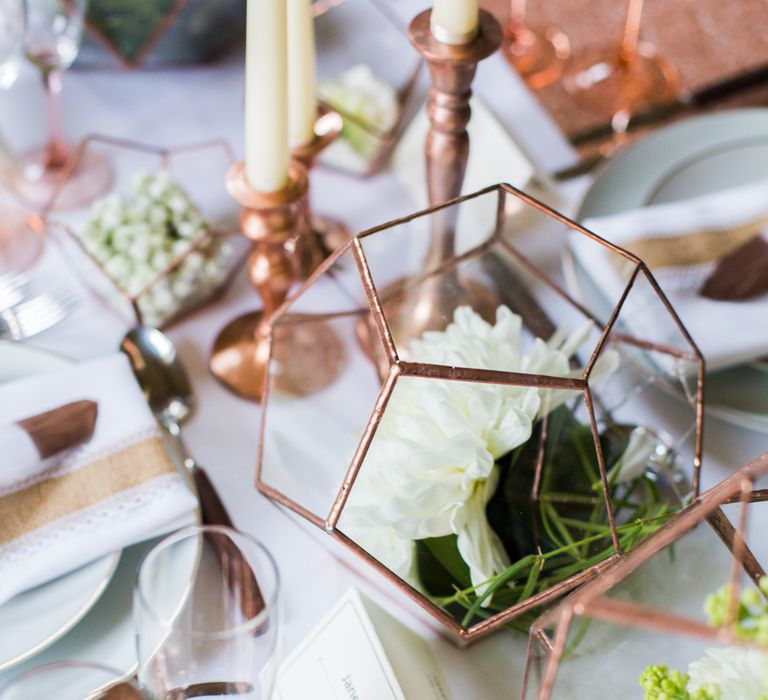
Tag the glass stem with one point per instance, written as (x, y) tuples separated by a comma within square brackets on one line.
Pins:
[(631, 35), (517, 11), (56, 151)]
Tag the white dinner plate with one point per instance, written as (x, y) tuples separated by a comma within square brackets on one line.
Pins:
[(35, 619), (692, 157)]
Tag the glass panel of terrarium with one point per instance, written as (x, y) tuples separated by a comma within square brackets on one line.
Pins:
[(323, 388), (444, 494), (153, 211), (606, 660), (595, 273), (478, 309), (647, 358), (357, 76)]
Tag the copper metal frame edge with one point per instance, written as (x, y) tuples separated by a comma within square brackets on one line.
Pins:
[(555, 591), (490, 376), (610, 324), (738, 547), (699, 439), (374, 302), (429, 210), (601, 468), (729, 535), (318, 272), (553, 213), (459, 632), (625, 612), (382, 400)]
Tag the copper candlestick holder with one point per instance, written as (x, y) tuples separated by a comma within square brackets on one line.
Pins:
[(321, 235), (452, 69), (240, 354)]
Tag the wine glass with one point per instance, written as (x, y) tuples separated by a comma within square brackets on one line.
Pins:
[(616, 82), (51, 42), (207, 616), (71, 680), (20, 244), (537, 55)]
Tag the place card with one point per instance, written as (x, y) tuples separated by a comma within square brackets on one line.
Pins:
[(360, 652)]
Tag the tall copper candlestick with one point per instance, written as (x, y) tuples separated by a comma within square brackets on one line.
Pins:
[(452, 69), (321, 235), (240, 355)]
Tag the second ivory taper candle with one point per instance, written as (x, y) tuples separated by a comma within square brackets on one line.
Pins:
[(266, 95), (454, 21), (302, 107)]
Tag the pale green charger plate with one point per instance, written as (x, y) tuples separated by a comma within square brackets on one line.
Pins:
[(693, 157)]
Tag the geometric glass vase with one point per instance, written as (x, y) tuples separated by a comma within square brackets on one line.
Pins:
[(489, 443)]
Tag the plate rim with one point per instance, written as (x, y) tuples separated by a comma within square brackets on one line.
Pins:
[(734, 416), (114, 557)]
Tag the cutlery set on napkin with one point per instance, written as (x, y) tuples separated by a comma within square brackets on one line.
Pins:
[(83, 472)]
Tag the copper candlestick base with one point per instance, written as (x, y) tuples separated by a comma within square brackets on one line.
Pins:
[(240, 358), (322, 234), (309, 358)]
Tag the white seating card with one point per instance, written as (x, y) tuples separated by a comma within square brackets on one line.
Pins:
[(360, 652)]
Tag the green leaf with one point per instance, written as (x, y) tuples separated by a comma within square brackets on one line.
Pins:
[(441, 567)]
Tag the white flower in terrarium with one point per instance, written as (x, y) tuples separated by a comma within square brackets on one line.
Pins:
[(431, 468)]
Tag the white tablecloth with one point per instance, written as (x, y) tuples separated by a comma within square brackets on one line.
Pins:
[(185, 105)]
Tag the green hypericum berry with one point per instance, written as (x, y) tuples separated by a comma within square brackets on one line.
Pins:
[(661, 683)]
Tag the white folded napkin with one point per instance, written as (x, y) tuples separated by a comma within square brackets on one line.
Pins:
[(683, 243), (118, 489)]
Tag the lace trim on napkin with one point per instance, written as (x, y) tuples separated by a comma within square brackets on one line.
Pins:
[(114, 509), (82, 456)]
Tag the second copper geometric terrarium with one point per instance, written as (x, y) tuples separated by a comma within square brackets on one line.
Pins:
[(681, 614), (144, 270), (488, 445)]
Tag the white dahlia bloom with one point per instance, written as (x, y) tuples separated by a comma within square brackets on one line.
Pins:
[(431, 468), (736, 673)]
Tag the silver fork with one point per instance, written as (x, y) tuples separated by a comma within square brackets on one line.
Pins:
[(36, 315), (13, 289)]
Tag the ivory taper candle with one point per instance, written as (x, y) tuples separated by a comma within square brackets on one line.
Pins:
[(266, 95), (454, 21), (302, 108)]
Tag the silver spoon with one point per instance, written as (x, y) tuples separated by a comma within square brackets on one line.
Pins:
[(162, 377)]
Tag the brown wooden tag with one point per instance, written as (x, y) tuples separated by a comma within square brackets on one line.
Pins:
[(740, 275), (61, 428)]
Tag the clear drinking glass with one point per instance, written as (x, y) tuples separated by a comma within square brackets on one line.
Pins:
[(207, 615), (616, 82), (11, 32), (51, 42), (20, 244), (71, 680), (537, 54)]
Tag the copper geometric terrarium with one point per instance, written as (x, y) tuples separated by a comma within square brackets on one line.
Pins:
[(488, 445), (692, 596)]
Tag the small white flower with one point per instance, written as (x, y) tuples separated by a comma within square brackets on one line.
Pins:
[(118, 268), (740, 673)]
